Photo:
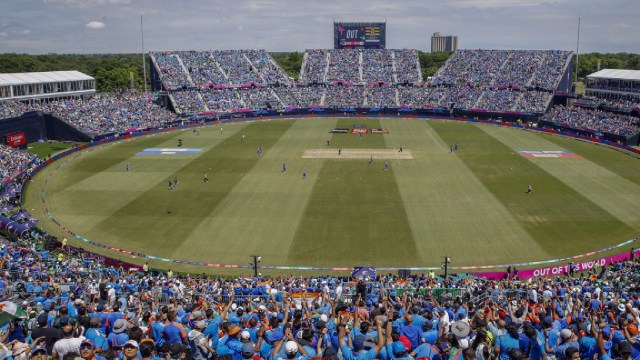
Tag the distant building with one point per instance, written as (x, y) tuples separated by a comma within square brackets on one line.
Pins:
[(52, 85), (443, 42)]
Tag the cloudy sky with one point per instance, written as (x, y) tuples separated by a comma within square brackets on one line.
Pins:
[(113, 26)]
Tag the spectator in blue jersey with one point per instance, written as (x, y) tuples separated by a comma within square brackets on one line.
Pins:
[(96, 336), (511, 340), (113, 317), (173, 332), (118, 336), (567, 339)]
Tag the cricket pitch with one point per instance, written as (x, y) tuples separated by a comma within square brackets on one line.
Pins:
[(384, 154)]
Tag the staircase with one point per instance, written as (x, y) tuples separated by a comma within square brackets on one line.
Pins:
[(326, 70), (360, 62), (394, 68), (255, 69), (305, 57), (184, 68)]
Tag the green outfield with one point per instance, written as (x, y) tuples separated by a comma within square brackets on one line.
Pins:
[(469, 204)]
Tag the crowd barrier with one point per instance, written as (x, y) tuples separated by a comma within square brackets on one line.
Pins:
[(324, 112)]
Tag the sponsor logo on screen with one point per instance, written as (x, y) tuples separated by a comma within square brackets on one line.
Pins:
[(553, 154), (340, 131), (16, 139), (379, 131), (359, 131)]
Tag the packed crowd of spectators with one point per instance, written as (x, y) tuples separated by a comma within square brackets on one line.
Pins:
[(344, 64), (106, 113), (413, 96), (224, 100), (101, 113), (381, 96), (188, 69), (627, 104), (361, 66), (190, 102), (425, 97), (308, 96), (595, 121), (315, 66), (407, 66), (172, 72), (377, 65), (9, 109), (344, 96), (203, 68), (13, 161), (533, 102), (518, 68), (260, 98), (290, 98), (76, 307)]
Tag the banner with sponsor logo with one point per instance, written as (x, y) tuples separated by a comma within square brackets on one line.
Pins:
[(359, 130), (17, 139), (559, 269), (340, 131), (379, 131)]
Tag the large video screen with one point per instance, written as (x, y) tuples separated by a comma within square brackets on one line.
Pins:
[(359, 35)]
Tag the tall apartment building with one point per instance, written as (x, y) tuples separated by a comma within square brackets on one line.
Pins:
[(443, 42)]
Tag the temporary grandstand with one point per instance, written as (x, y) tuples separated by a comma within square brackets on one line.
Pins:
[(52, 85), (614, 83), (473, 81)]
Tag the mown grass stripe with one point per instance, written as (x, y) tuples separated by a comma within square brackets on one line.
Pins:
[(613, 193), (553, 211), (246, 222), (627, 166), (355, 213), (179, 211), (450, 211)]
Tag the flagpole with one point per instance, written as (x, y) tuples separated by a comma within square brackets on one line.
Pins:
[(578, 54), (144, 65)]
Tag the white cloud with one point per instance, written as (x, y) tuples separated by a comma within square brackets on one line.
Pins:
[(3, 34), (95, 25)]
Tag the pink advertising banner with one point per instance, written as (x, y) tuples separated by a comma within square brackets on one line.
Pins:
[(559, 269)]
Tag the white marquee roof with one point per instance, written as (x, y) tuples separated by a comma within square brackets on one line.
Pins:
[(42, 77), (616, 74)]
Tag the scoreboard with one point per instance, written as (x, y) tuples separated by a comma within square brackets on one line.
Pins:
[(359, 35)]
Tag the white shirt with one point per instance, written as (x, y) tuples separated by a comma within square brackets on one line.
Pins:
[(67, 346)]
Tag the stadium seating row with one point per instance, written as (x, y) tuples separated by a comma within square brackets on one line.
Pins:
[(540, 69)]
